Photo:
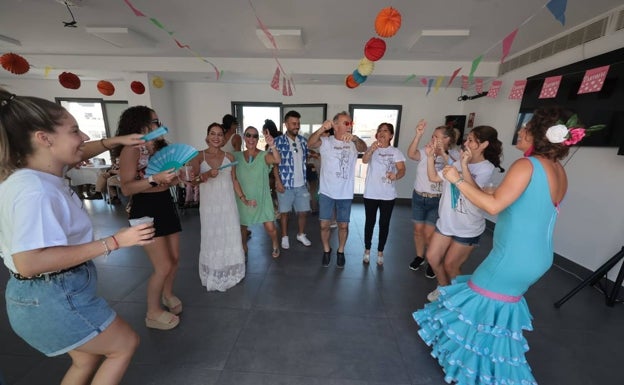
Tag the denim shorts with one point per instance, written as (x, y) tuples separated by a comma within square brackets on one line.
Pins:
[(297, 197), (467, 241), (327, 207), (424, 210), (60, 313)]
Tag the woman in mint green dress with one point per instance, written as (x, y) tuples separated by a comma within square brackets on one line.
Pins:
[(252, 171)]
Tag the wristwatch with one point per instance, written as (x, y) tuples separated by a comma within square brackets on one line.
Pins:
[(151, 181)]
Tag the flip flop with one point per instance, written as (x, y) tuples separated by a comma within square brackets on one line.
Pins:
[(276, 252), (165, 321), (173, 304)]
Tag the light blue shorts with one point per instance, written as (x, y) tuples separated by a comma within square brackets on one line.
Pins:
[(327, 207), (297, 198), (57, 314)]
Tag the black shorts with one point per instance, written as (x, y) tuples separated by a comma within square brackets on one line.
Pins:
[(160, 206)]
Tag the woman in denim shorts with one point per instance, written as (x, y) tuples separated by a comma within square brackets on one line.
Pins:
[(426, 194), (46, 241)]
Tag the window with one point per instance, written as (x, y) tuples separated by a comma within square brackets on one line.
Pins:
[(366, 118), (312, 116), (96, 118)]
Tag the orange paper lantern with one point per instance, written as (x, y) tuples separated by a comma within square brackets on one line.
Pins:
[(14, 63), (374, 49), (106, 88), (69, 80), (350, 82), (137, 87), (388, 22)]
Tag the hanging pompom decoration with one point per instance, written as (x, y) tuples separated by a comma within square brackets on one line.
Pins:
[(374, 49), (350, 82), (157, 82), (14, 63), (69, 80), (359, 79), (105, 87), (366, 67), (137, 87), (388, 22)]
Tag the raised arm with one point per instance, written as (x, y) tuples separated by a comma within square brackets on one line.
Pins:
[(314, 141), (412, 150), (96, 147), (432, 174)]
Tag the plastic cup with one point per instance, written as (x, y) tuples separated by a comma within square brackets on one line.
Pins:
[(139, 221)]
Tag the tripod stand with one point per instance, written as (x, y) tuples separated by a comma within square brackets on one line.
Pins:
[(597, 276)]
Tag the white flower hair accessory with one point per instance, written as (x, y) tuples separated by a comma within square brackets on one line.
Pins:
[(557, 133), (570, 132)]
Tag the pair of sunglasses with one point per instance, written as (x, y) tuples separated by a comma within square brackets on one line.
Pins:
[(255, 136), (156, 122), (295, 149)]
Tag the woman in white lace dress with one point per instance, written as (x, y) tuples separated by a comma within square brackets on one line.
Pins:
[(221, 256)]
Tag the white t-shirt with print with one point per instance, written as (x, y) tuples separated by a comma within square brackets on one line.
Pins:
[(338, 160), (39, 210), (382, 161), (465, 220)]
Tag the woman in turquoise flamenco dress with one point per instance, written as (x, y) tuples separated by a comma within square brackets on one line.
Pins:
[(476, 326)]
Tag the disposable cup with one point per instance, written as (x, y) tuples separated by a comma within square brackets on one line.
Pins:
[(138, 221)]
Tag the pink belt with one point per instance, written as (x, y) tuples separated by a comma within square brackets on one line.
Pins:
[(493, 295)]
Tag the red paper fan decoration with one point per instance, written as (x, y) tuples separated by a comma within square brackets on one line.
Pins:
[(350, 81), (137, 87), (69, 80), (14, 63), (388, 22), (106, 88), (374, 49)]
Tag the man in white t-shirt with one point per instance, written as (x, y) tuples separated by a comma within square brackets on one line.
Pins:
[(339, 154)]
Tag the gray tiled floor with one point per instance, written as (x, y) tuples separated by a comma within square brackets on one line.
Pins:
[(293, 322)]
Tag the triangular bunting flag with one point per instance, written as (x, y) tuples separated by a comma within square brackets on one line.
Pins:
[(475, 64), (284, 87), (453, 76), (464, 79), (438, 83), (550, 87), (593, 80), (423, 81), (290, 93), (558, 8), (276, 78), (494, 88), (507, 42), (429, 85), (518, 89)]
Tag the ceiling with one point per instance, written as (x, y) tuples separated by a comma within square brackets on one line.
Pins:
[(224, 33)]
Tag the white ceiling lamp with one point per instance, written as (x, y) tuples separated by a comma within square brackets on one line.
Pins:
[(122, 37), (285, 38), (6, 41), (437, 39)]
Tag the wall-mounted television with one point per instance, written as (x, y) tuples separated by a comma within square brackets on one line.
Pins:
[(603, 107)]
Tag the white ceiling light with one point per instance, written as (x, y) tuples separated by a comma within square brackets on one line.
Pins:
[(121, 37), (6, 41), (285, 38), (438, 39)]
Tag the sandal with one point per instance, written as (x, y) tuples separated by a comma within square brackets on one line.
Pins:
[(276, 252), (173, 304), (165, 321)]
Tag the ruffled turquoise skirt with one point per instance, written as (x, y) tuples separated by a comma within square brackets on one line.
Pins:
[(477, 340)]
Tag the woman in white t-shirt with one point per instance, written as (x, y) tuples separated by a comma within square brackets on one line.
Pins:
[(386, 164), (46, 241), (460, 223)]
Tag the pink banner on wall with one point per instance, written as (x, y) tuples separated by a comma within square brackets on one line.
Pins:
[(593, 80), (464, 79), (518, 89), (479, 85), (550, 87), (494, 89)]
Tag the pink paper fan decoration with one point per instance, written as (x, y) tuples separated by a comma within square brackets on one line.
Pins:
[(14, 63)]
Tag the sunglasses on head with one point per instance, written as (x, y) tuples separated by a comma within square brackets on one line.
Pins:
[(156, 122), (255, 136)]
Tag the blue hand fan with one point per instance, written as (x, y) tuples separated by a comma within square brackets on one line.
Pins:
[(160, 131), (173, 156)]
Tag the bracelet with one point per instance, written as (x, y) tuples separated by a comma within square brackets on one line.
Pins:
[(459, 181), (105, 146), (116, 243), (107, 252)]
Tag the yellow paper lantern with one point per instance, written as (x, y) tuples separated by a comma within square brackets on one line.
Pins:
[(158, 82), (366, 67)]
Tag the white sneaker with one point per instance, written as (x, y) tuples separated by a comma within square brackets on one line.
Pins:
[(433, 296), (285, 243), (366, 258), (380, 260), (303, 239)]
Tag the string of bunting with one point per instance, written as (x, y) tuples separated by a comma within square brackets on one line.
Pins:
[(387, 24)]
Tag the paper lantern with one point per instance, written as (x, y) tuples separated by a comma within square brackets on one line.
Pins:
[(350, 82), (374, 49), (366, 67), (105, 87), (388, 22), (69, 80), (359, 79), (137, 87), (158, 82), (14, 63)]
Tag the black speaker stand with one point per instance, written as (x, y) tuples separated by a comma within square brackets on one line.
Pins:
[(596, 276)]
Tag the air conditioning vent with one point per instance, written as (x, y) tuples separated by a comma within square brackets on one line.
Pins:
[(582, 35)]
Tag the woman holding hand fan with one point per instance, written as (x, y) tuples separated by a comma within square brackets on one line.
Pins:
[(151, 197)]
